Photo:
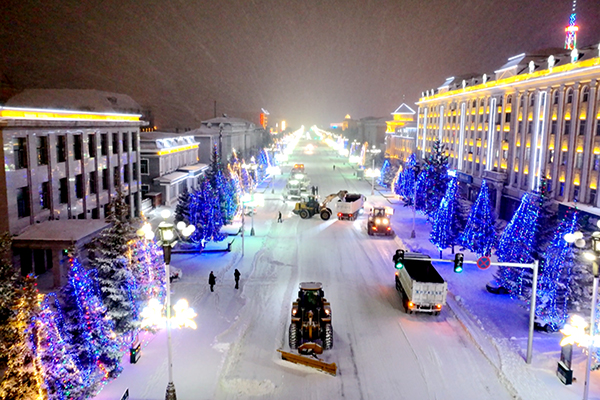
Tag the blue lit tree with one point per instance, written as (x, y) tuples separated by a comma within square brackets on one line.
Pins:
[(205, 214), (449, 219), (146, 264), (554, 291), (98, 351), (480, 234), (62, 375), (8, 282), (388, 173), (517, 244), (406, 188), (246, 180), (432, 181), (263, 162)]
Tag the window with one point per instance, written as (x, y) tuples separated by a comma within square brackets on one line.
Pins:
[(592, 196), (598, 128), (530, 127), (556, 95), (115, 142), (79, 186), (42, 150), (23, 208), (116, 176), (567, 127), (531, 100), (135, 171), (104, 144), (509, 100), (550, 156), (565, 157), (549, 185), (474, 103), (596, 162), (126, 173), (45, 196), (561, 191), (576, 193), (145, 189), (579, 161), (77, 147), (569, 96), (105, 179), (507, 118), (92, 145), (516, 180), (61, 148), (586, 94), (134, 139), (144, 166), (553, 127), (582, 124), (125, 142), (20, 151), (94, 182), (63, 191)]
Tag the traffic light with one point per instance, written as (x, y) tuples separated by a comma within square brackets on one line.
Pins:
[(458, 262), (399, 259)]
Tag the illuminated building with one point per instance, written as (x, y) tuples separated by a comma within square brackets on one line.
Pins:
[(401, 133), (66, 152), (538, 115)]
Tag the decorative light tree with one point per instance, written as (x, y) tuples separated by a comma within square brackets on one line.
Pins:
[(480, 234), (432, 181), (554, 281), (23, 379), (449, 220), (516, 244)]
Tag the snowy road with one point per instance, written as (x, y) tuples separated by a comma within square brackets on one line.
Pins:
[(381, 352)]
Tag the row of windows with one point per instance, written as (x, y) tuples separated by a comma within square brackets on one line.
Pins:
[(42, 150), (23, 206)]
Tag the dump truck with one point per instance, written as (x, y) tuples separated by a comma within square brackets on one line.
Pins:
[(297, 168), (310, 206), (293, 190), (420, 285), (302, 178), (350, 206), (379, 222)]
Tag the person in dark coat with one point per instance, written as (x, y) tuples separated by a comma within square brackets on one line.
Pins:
[(236, 275), (278, 219), (212, 281)]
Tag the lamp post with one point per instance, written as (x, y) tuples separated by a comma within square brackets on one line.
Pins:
[(593, 256), (373, 178), (167, 241)]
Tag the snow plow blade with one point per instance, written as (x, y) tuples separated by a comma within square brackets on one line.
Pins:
[(309, 362)]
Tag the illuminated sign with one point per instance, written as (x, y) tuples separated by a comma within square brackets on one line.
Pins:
[(63, 115)]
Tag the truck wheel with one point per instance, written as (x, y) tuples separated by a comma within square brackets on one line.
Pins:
[(325, 214), (304, 214), (293, 336), (328, 342)]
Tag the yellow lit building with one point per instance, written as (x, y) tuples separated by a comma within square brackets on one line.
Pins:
[(538, 115), (400, 134)]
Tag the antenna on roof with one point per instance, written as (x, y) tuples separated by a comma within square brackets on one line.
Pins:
[(571, 30)]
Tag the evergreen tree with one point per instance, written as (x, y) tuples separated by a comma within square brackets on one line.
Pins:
[(232, 196), (516, 244), (215, 164), (205, 215), (23, 376), (8, 285), (246, 180), (62, 375), (397, 183), (146, 264), (554, 280), (388, 173), (407, 183), (432, 181), (182, 209), (479, 235), (449, 220), (108, 256), (98, 353)]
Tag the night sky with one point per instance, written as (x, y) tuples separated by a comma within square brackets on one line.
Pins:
[(306, 61)]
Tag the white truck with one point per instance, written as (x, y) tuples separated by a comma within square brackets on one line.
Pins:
[(421, 287), (350, 206)]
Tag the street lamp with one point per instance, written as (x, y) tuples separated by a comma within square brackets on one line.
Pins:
[(167, 241), (577, 238)]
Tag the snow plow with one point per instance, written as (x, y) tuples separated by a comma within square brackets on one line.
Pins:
[(310, 330)]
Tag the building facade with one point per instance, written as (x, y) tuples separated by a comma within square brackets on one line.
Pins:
[(401, 134), (66, 153), (168, 166), (537, 116)]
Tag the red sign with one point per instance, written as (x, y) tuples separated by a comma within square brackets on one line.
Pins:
[(483, 262)]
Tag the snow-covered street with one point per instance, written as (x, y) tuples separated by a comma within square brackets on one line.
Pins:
[(475, 349)]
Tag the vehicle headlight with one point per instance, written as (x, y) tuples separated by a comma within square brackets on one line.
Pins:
[(386, 221), (377, 221), (294, 311), (327, 311)]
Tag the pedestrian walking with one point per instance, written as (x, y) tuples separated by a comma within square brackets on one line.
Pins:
[(236, 275), (212, 281), (278, 218), (334, 167)]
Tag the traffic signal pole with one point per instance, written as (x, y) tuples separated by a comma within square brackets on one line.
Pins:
[(534, 266)]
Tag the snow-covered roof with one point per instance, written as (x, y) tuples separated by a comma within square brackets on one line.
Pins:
[(75, 99), (164, 140), (404, 109), (171, 178), (68, 230)]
